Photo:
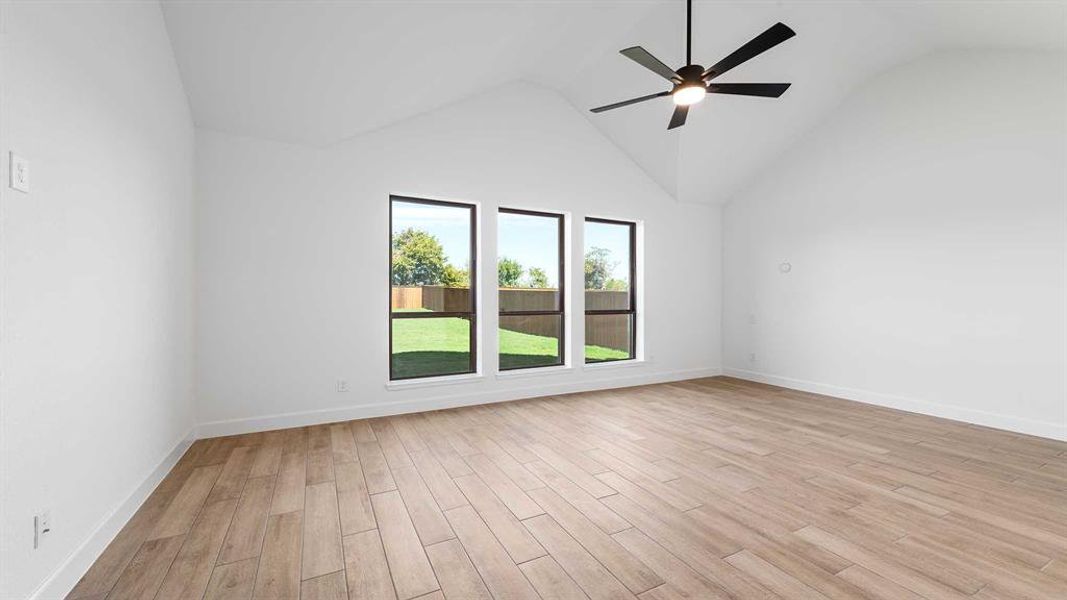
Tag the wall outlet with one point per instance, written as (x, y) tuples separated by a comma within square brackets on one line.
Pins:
[(20, 173), (752, 319), (342, 385), (751, 357), (42, 526)]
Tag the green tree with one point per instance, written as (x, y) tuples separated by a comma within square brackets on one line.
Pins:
[(616, 285), (453, 276), (418, 258), (598, 268), (509, 271), (537, 278)]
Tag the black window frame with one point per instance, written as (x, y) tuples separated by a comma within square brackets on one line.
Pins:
[(561, 311), (472, 315), (632, 311)]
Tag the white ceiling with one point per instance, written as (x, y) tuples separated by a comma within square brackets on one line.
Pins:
[(318, 72)]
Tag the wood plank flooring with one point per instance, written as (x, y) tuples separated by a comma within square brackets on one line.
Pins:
[(713, 488)]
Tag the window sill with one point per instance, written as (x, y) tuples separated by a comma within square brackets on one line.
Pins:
[(617, 364), (535, 372), (406, 384)]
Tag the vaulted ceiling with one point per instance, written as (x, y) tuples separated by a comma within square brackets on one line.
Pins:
[(320, 72)]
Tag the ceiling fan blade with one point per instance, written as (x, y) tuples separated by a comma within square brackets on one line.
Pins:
[(768, 90), (629, 102), (678, 118), (763, 42), (642, 57)]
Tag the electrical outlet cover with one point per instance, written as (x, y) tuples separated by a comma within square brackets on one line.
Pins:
[(19, 173)]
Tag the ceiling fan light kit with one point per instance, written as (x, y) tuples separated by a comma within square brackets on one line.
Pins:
[(688, 95), (692, 82)]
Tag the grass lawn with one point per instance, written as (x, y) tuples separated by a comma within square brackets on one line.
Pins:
[(442, 346)]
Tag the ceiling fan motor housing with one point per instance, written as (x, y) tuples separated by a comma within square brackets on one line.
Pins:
[(690, 74)]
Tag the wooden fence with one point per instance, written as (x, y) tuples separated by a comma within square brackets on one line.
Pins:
[(406, 297), (513, 299), (609, 331), (445, 299)]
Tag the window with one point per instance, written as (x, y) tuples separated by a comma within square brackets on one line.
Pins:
[(530, 279), (610, 297), (432, 320)]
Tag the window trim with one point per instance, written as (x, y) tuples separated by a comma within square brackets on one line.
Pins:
[(632, 311), (472, 315), (562, 310)]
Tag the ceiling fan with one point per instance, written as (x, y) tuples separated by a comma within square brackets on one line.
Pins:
[(692, 82)]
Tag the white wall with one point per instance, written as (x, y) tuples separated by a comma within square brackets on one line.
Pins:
[(925, 227), (293, 257), (96, 316)]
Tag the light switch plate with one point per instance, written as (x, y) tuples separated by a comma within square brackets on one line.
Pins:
[(20, 173)]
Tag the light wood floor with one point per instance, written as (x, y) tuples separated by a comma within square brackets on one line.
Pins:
[(712, 488)]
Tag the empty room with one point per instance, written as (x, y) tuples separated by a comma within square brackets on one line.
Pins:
[(509, 299)]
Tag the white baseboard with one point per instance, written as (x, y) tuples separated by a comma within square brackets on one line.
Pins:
[(925, 407), (66, 576), (379, 409)]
